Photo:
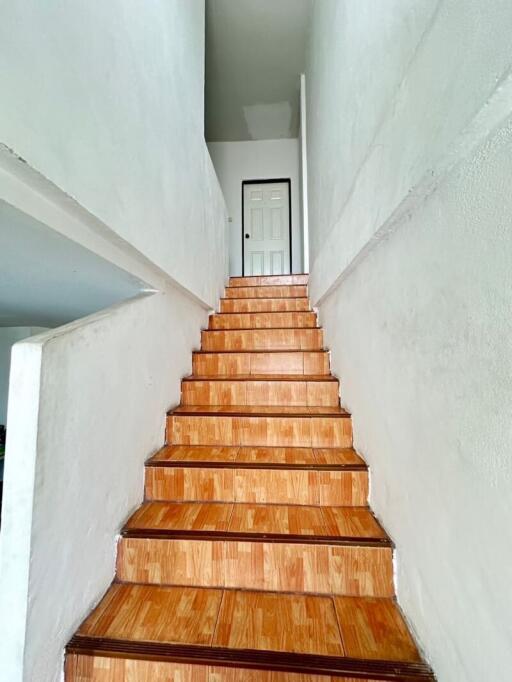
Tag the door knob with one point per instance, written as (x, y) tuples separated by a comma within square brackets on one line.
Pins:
[(247, 235)]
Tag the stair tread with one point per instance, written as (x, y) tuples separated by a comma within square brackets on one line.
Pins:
[(235, 520), (322, 632), (259, 411), (258, 457)]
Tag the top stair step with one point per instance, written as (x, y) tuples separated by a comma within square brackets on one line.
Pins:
[(268, 280)]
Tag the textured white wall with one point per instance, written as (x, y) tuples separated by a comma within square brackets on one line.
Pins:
[(257, 160), (8, 337), (410, 149), (78, 437), (106, 100)]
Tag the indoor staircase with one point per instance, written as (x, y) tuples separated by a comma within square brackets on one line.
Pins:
[(254, 556)]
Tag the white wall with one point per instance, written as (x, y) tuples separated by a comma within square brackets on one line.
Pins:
[(104, 103), (8, 337), (106, 100), (77, 441), (257, 160), (410, 149)]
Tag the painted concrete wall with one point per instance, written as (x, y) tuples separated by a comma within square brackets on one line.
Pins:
[(257, 160), (109, 121), (78, 437), (411, 273), (8, 337), (106, 100)]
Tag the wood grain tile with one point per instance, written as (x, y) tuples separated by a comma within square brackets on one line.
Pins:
[(266, 292), (352, 521), (214, 364), (219, 674), (264, 320), (316, 363), (187, 430), (337, 456), (278, 622), (277, 486), (269, 566), (323, 393), (159, 561), (374, 629), (104, 669), (277, 566), (155, 614), (343, 487), (181, 516), (329, 432), (277, 363), (194, 484), (263, 305), (262, 518), (267, 455), (196, 453), (262, 339), (214, 393)]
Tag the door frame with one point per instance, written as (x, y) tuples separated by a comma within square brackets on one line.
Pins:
[(261, 182)]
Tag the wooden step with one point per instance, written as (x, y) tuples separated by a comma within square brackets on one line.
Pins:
[(263, 305), (268, 280), (317, 427), (267, 292), (290, 338), (329, 550), (262, 320), (261, 389), (286, 475), (213, 631), (232, 363)]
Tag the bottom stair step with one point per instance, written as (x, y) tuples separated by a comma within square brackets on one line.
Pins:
[(201, 634)]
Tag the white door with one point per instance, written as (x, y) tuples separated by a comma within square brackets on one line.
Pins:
[(266, 228)]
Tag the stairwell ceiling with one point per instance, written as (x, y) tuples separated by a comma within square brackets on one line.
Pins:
[(255, 53)]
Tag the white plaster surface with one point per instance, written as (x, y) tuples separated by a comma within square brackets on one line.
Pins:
[(8, 337), (257, 160), (105, 107), (87, 407), (391, 88), (410, 158), (106, 100)]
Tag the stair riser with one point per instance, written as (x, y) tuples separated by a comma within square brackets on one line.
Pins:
[(318, 432), (269, 280), (88, 668), (262, 320), (262, 339), (267, 292), (263, 305), (324, 569), (270, 393), (263, 486), (293, 362)]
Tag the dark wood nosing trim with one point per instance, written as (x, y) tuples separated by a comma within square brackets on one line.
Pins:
[(260, 329), (260, 298), (264, 286), (310, 378), (272, 538), (180, 412), (268, 312), (261, 351), (274, 466), (293, 274), (255, 659)]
